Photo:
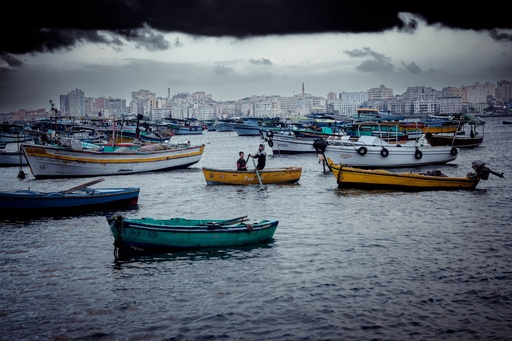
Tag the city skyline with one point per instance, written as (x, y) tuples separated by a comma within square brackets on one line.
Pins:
[(232, 59)]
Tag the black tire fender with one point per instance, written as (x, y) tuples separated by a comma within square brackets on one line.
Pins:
[(362, 151), (270, 133), (418, 154), (384, 152), (454, 151), (270, 143)]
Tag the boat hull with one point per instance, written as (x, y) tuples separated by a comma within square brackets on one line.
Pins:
[(349, 177), (457, 141), (149, 235), (55, 162), (30, 203), (291, 145), (268, 176), (196, 130), (246, 129), (12, 159), (376, 154)]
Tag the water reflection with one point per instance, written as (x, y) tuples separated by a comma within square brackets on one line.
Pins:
[(205, 254)]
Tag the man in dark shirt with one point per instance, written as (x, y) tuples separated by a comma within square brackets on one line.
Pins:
[(261, 155), (241, 163)]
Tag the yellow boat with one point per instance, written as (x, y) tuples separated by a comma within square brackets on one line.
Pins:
[(349, 177), (267, 176)]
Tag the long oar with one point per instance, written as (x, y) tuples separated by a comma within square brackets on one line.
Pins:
[(257, 173), (90, 183), (233, 221)]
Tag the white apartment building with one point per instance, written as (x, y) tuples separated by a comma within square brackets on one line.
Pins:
[(354, 97), (450, 105), (380, 93)]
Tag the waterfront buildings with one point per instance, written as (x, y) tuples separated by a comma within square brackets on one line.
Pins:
[(415, 101)]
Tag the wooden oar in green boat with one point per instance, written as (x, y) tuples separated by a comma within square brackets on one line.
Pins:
[(90, 183), (213, 225)]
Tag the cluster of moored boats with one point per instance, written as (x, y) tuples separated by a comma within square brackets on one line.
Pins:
[(355, 160)]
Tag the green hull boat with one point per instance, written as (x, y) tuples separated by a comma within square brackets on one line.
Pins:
[(145, 235)]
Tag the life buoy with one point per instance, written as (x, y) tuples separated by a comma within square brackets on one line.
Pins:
[(270, 143), (418, 154), (270, 134), (453, 151), (362, 151), (384, 152)]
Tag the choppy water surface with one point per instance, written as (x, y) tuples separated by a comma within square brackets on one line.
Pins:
[(346, 264)]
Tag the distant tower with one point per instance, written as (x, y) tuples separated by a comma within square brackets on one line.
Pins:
[(168, 93)]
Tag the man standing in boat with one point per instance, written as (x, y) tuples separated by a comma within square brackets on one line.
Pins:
[(261, 155)]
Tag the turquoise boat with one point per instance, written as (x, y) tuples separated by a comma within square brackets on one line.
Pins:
[(148, 235)]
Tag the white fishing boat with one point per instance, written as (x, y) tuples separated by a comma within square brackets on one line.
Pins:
[(373, 152), (47, 161), (290, 144)]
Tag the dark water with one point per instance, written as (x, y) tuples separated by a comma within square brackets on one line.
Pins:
[(351, 265)]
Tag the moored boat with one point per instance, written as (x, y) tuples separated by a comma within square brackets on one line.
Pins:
[(267, 176), (78, 199), (47, 161), (10, 133), (373, 152), (290, 144), (460, 139), (177, 234), (12, 158), (350, 177)]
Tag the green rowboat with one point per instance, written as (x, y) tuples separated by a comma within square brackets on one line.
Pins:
[(177, 234)]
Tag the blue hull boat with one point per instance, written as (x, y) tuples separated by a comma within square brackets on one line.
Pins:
[(75, 200)]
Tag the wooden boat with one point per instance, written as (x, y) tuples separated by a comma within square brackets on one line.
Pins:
[(290, 144), (460, 139), (77, 199), (47, 161), (267, 176), (373, 152), (178, 234), (391, 132), (11, 133), (248, 125), (349, 177), (11, 155), (190, 126), (12, 158), (440, 124)]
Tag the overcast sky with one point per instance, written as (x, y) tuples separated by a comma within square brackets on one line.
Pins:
[(237, 48)]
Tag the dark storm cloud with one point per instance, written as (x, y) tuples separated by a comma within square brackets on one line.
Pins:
[(412, 68), (380, 62), (61, 24)]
